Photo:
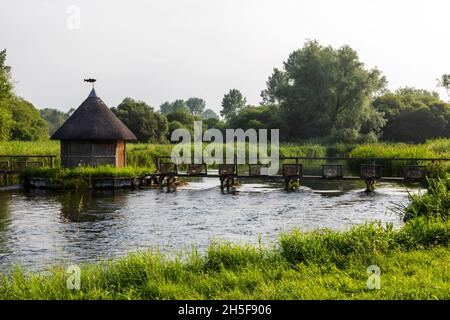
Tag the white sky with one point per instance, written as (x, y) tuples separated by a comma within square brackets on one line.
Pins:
[(168, 49)]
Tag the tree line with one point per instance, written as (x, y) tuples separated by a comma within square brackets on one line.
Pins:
[(319, 93)]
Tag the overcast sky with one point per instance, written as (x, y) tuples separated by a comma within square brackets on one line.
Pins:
[(162, 50)]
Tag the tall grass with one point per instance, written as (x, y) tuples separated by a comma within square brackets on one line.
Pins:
[(315, 265), (432, 149), (434, 203)]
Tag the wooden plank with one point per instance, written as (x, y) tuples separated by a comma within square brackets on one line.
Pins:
[(254, 170), (168, 168), (332, 171), (197, 169), (415, 172), (292, 170), (227, 169), (371, 171)]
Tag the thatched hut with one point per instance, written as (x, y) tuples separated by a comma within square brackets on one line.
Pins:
[(93, 136)]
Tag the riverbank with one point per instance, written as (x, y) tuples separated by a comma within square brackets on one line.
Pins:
[(414, 264)]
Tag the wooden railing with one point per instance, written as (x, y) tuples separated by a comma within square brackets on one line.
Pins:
[(11, 164)]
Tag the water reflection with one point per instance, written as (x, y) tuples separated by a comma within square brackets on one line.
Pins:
[(94, 205)]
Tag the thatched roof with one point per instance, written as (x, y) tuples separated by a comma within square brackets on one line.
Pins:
[(93, 120)]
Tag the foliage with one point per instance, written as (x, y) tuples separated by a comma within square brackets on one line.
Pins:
[(434, 203), (170, 107), (54, 117), (142, 120), (28, 124), (444, 82), (79, 177), (326, 92), (85, 172), (5, 77), (19, 119), (6, 120), (257, 117), (401, 150), (210, 114), (196, 106), (232, 102), (413, 115)]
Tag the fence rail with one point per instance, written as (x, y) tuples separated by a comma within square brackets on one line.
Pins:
[(12, 163)]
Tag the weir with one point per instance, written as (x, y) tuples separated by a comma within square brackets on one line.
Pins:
[(294, 171)]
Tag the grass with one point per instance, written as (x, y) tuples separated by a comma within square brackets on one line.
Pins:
[(79, 177), (434, 203), (315, 265), (431, 149)]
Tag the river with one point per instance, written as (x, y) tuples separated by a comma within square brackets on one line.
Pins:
[(41, 227)]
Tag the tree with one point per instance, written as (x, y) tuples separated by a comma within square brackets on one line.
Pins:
[(324, 92), (6, 120), (277, 82), (55, 118), (165, 108), (257, 117), (232, 102), (196, 106), (444, 82), (169, 107), (143, 121), (19, 119), (210, 114), (28, 124), (413, 115)]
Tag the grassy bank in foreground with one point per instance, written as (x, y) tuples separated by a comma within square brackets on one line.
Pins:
[(414, 263)]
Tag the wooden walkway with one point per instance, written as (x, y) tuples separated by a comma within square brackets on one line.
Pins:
[(371, 170)]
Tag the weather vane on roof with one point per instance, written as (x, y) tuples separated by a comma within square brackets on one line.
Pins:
[(90, 80)]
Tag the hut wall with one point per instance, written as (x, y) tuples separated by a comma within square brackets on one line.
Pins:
[(92, 153), (121, 154)]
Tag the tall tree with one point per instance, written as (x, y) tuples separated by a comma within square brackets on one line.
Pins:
[(169, 107), (210, 114), (232, 102), (196, 106), (325, 92), (414, 115), (6, 120), (54, 117), (28, 123), (444, 82), (143, 121)]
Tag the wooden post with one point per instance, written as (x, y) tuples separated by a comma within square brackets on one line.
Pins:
[(370, 185)]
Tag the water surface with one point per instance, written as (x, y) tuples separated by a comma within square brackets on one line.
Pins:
[(41, 227)]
